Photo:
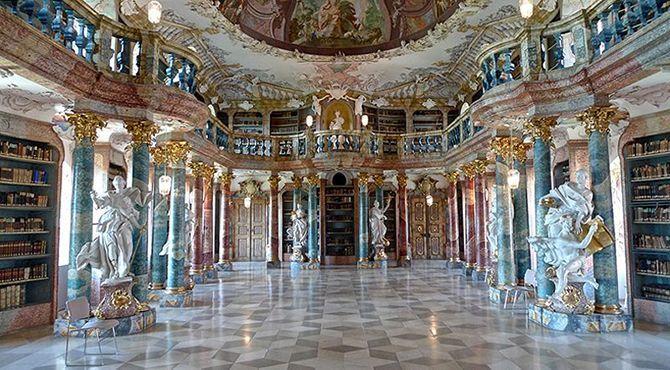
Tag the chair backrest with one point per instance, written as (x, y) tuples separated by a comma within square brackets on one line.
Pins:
[(529, 278), (78, 309)]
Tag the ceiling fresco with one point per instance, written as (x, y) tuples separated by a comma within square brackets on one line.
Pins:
[(329, 27), (423, 49)]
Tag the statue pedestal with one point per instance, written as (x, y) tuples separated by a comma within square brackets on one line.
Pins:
[(274, 264), (594, 323), (182, 298), (130, 325), (117, 299), (454, 265), (223, 266), (478, 275), (498, 294)]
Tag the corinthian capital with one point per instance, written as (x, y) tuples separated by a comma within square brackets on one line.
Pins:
[(176, 151), (598, 119), (540, 128), (142, 132), (86, 125), (510, 148)]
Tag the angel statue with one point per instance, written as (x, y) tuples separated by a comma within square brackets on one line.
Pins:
[(298, 232), (174, 249), (573, 235), (112, 250), (378, 229)]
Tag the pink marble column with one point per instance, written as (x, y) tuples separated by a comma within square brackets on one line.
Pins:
[(403, 225), (480, 223), (225, 239), (452, 215), (274, 221), (196, 240), (470, 246), (208, 225)]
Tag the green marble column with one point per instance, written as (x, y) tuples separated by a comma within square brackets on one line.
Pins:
[(363, 207), (81, 226), (159, 230), (520, 223), (313, 182)]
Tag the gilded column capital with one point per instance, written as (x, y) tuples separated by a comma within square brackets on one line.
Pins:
[(468, 170), (452, 176), (598, 119), (158, 154), (86, 125), (297, 181), (540, 128), (226, 178), (176, 151), (274, 182), (313, 180), (142, 132), (363, 178), (378, 180), (202, 169), (510, 148), (402, 180)]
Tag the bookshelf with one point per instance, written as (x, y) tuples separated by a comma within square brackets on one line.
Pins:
[(287, 208), (288, 122), (28, 204), (340, 232), (427, 120), (386, 121), (647, 162), (248, 123)]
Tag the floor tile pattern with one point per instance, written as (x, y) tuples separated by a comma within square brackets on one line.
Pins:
[(344, 318)]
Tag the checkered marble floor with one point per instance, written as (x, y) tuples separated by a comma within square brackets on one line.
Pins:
[(349, 319)]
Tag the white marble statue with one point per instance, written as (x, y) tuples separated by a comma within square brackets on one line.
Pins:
[(570, 197), (174, 249), (316, 105), (298, 232), (337, 123), (112, 250), (377, 226), (358, 105)]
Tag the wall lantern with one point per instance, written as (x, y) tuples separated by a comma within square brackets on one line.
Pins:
[(247, 202), (364, 120), (429, 200), (309, 121), (513, 179)]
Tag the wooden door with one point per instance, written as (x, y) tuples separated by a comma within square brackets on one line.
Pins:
[(427, 235), (251, 230)]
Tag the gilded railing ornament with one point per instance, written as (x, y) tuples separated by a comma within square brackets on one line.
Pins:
[(540, 128), (402, 180), (378, 180), (313, 180), (274, 181), (363, 178), (510, 148), (142, 132), (176, 151), (598, 119), (86, 125), (226, 178), (452, 176), (297, 181)]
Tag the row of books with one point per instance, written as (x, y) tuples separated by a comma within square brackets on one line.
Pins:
[(651, 214), (653, 266), (25, 151), (23, 248), (21, 224), (23, 198), (12, 296), (651, 172), (656, 292), (649, 147), (23, 176), (23, 273), (649, 192)]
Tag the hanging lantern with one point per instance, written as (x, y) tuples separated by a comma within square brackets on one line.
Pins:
[(429, 200), (247, 202), (526, 8), (154, 11), (364, 120), (309, 121), (164, 185), (513, 178)]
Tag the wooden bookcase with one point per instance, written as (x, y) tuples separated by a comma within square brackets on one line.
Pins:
[(287, 208), (427, 120), (28, 224), (248, 123), (386, 121), (288, 122), (647, 162), (340, 227)]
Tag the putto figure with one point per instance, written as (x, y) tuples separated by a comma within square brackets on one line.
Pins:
[(112, 250)]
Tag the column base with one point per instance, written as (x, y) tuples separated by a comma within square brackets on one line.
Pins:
[(211, 274), (274, 264), (454, 265), (498, 294), (404, 262), (223, 266), (467, 270), (198, 277), (175, 298), (594, 323), (130, 325), (478, 275)]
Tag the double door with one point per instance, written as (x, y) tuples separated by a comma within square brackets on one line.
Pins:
[(427, 227), (251, 230)]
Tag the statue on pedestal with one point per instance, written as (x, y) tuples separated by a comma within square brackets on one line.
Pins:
[(378, 229), (298, 232), (573, 235)]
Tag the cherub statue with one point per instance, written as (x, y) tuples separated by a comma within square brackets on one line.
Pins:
[(298, 232), (112, 250)]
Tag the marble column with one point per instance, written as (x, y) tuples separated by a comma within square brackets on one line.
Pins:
[(177, 152), (196, 237), (274, 180), (596, 122), (539, 129), (81, 226), (208, 225), (506, 270), (142, 133), (159, 229), (313, 182), (453, 233), (520, 220), (481, 253), (469, 221), (225, 235), (363, 205), (403, 256), (378, 180)]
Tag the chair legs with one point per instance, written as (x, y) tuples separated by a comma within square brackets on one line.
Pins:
[(116, 346), (102, 355)]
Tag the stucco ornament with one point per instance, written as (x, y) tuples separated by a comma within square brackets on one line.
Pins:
[(429, 104), (246, 105), (298, 232), (112, 250), (378, 229), (294, 103), (573, 235), (380, 102)]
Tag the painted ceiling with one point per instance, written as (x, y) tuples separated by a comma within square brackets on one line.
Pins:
[(428, 51)]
